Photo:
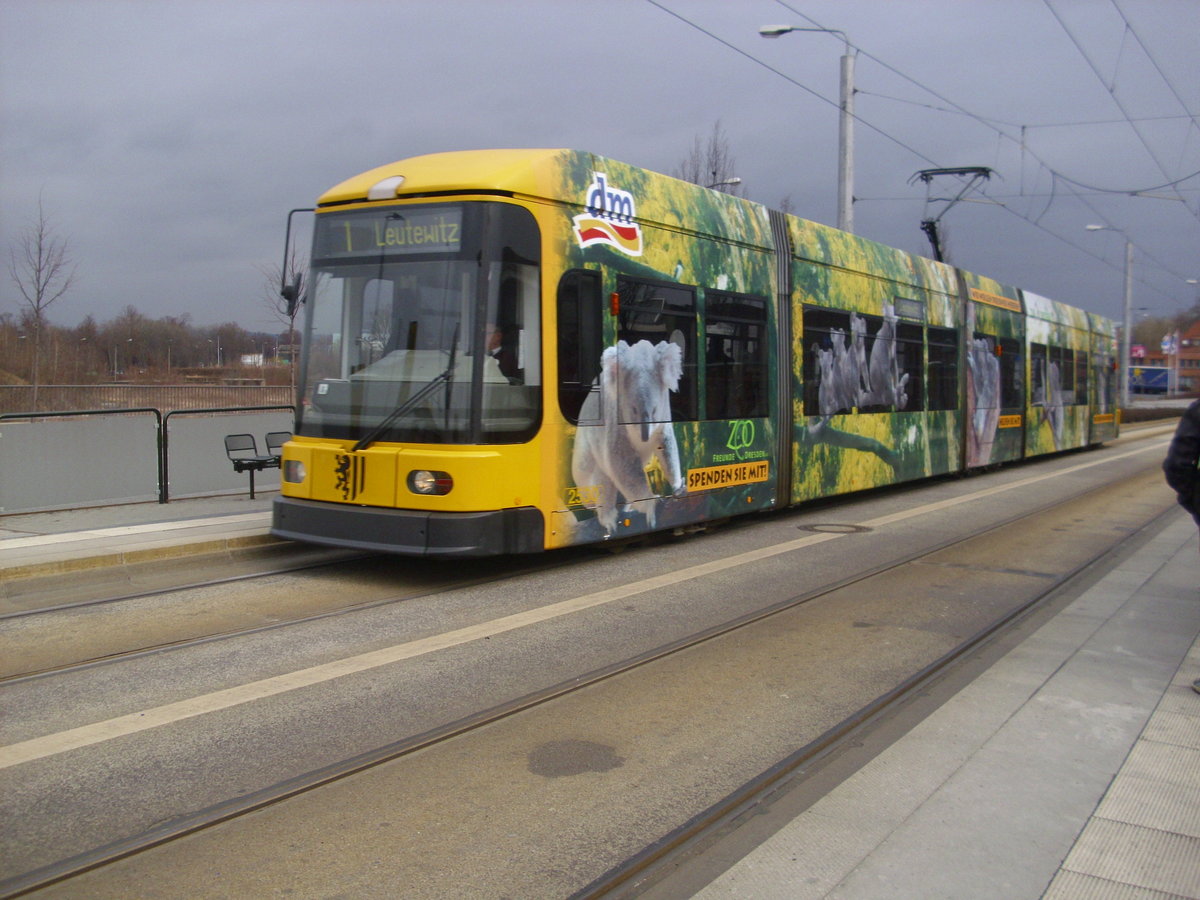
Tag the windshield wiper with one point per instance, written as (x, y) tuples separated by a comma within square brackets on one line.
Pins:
[(373, 435)]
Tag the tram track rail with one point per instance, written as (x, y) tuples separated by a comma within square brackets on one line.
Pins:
[(179, 588), (533, 564), (631, 873), (630, 878), (234, 633)]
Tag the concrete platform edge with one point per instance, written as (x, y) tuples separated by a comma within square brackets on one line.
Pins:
[(62, 542), (67, 566), (1001, 792)]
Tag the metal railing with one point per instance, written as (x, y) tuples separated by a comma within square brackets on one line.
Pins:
[(164, 434), (18, 398), (161, 431)]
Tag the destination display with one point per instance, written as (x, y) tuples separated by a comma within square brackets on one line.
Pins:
[(995, 300), (392, 231)]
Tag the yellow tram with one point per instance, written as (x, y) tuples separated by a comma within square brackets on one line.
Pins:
[(515, 350)]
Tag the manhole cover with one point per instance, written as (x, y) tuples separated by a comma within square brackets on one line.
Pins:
[(834, 528), (556, 759)]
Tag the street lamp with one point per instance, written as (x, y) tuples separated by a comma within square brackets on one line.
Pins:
[(732, 182), (845, 219), (1128, 326)]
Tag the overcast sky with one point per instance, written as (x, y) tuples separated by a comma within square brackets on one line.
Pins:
[(168, 139)]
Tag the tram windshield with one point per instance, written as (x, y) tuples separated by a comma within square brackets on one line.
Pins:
[(422, 325)]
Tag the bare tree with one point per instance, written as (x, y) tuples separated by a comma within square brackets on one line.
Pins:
[(41, 266), (285, 307), (711, 163)]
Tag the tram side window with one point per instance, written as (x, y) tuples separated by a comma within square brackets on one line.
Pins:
[(1062, 362), (1038, 363), (1105, 376), (883, 351), (580, 339), (911, 360), (863, 363), (735, 362), (655, 312), (1053, 370), (1011, 374), (825, 343), (1081, 377), (943, 368)]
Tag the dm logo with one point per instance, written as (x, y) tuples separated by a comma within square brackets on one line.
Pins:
[(609, 218)]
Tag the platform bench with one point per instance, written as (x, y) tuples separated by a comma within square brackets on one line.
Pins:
[(242, 451)]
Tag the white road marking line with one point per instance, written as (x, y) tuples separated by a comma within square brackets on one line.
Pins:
[(98, 732), (37, 748), (125, 530), (999, 489)]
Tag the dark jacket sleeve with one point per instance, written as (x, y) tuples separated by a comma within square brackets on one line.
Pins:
[(1182, 456)]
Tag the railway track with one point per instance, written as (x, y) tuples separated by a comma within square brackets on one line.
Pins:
[(637, 867), (632, 876), (35, 609), (35, 622)]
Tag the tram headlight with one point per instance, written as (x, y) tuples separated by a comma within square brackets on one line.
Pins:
[(293, 471), (423, 481)]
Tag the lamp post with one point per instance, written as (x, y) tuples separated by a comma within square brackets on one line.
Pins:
[(1128, 325), (1180, 343), (845, 219)]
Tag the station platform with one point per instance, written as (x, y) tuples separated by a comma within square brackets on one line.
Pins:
[(76, 540), (1070, 768)]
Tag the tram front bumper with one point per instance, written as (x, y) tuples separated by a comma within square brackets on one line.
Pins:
[(409, 532)]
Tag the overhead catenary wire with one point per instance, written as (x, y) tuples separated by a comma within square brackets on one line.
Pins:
[(992, 123), (1195, 120), (1158, 68), (1057, 178), (788, 78), (1129, 118), (1024, 125)]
